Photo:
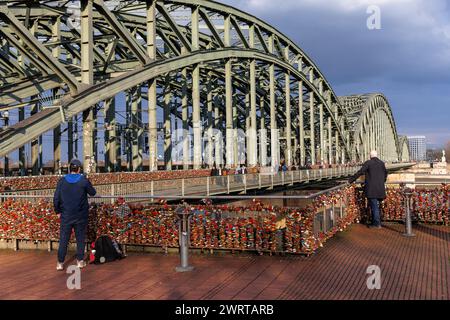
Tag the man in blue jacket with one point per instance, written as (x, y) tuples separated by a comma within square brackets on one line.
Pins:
[(71, 205)]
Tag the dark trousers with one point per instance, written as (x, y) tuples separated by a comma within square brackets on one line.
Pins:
[(375, 208), (64, 238)]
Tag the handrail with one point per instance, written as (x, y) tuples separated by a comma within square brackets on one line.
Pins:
[(227, 197)]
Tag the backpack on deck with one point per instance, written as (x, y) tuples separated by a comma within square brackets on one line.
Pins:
[(107, 250)]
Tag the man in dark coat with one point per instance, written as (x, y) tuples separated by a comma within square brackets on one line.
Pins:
[(374, 189), (71, 204)]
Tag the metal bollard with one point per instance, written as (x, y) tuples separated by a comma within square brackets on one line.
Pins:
[(408, 221), (183, 214)]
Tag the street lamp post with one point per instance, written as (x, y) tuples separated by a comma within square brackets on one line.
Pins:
[(184, 213), (408, 221)]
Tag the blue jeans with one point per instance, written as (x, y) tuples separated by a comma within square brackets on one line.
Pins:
[(64, 238), (375, 208)]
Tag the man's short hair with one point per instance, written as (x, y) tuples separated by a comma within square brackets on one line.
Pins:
[(74, 165), (373, 154)]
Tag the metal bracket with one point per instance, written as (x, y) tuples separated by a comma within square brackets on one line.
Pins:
[(61, 111)]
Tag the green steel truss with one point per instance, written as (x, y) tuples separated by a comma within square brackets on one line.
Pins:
[(209, 65)]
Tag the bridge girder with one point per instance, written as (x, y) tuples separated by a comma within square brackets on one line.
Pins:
[(138, 44)]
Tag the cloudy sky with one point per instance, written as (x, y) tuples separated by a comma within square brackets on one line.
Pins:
[(408, 59)]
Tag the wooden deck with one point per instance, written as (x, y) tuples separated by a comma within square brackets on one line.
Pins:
[(411, 269)]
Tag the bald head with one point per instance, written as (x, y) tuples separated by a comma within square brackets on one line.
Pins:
[(373, 154)]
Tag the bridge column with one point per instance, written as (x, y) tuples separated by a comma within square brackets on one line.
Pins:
[(70, 139), (372, 133), (20, 60), (262, 134), (312, 120), (56, 52), (57, 149), (230, 140), (366, 142), (274, 143), (322, 127), (381, 151), (337, 147), (167, 124), (330, 142), (301, 124), (112, 148), (110, 135), (377, 136), (152, 98), (128, 131), (247, 127), (196, 120), (288, 152), (229, 115), (321, 134), (210, 130), (336, 132), (185, 121), (235, 131), (87, 77), (218, 141), (136, 122), (382, 134), (384, 139), (347, 146), (36, 145), (22, 159), (252, 152)]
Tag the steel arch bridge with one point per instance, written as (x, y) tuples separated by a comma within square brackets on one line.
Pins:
[(229, 87)]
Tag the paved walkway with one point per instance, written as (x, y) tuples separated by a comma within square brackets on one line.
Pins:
[(417, 268)]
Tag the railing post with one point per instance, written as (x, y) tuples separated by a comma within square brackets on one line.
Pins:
[(271, 178), (112, 192), (245, 183), (408, 220), (182, 187), (282, 178), (184, 241), (228, 184), (208, 181), (307, 175), (259, 180), (292, 178), (152, 191)]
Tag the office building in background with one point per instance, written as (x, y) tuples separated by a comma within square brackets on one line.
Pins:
[(417, 148)]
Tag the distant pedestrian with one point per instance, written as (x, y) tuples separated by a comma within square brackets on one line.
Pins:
[(374, 188), (214, 171), (71, 204)]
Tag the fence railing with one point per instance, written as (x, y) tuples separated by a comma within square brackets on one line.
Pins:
[(207, 185), (253, 227)]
